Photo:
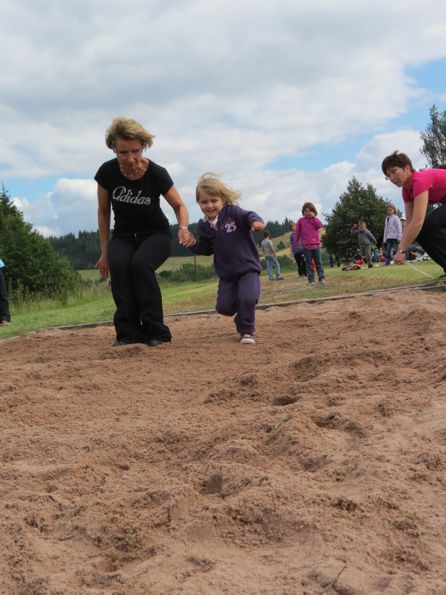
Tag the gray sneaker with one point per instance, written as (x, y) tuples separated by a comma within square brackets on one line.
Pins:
[(247, 340)]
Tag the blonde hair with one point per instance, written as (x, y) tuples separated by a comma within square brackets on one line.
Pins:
[(211, 184), (391, 205), (127, 129)]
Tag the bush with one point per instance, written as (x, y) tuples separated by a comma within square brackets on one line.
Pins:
[(189, 272)]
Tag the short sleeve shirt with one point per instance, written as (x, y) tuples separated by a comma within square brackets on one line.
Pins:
[(432, 180), (136, 203), (267, 246)]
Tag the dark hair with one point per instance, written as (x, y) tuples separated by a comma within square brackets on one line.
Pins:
[(396, 159), (266, 233), (310, 206)]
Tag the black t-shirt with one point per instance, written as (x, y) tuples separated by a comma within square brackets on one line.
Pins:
[(136, 203)]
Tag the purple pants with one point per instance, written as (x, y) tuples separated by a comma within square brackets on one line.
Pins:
[(240, 296)]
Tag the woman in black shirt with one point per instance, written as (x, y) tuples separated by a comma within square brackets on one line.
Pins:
[(141, 241)]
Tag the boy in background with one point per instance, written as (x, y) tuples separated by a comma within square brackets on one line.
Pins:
[(365, 239)]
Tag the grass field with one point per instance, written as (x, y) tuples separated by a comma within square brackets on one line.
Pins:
[(95, 304)]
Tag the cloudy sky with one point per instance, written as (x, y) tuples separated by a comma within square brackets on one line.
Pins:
[(286, 99)]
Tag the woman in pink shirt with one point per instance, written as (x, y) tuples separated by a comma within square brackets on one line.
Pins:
[(420, 188), (307, 234)]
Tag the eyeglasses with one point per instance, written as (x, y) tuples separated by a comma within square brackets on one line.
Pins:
[(393, 172), (125, 154)]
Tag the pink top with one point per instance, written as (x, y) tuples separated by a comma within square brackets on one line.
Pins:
[(307, 232), (432, 180)]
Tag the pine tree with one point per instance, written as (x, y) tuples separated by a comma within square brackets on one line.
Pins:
[(434, 139), (357, 203), (32, 266)]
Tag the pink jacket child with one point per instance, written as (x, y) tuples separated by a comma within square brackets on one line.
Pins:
[(307, 232), (307, 235)]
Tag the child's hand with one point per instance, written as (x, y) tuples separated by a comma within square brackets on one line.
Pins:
[(186, 238), (257, 226)]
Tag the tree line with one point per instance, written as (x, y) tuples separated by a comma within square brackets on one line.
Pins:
[(83, 251)]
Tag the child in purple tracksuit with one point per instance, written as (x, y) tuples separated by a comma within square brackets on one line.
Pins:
[(225, 232), (308, 234)]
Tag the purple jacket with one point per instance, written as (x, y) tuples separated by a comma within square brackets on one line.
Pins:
[(231, 243)]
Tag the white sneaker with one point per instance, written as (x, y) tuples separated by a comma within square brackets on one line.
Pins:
[(247, 340), (322, 281)]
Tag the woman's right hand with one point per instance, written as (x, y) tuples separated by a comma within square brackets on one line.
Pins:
[(102, 265)]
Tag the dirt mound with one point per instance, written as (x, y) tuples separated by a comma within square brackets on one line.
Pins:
[(312, 462)]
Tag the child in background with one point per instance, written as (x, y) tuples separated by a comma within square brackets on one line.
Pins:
[(365, 239), (297, 253), (308, 235), (225, 232), (5, 317), (392, 233), (270, 258)]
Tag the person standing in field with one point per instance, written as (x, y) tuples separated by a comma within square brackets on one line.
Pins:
[(365, 238), (5, 316), (307, 234), (270, 258), (225, 232), (297, 253), (419, 190), (392, 233), (131, 185)]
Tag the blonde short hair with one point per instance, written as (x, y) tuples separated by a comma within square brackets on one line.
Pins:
[(211, 184), (127, 129)]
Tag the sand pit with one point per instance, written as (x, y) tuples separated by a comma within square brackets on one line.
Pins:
[(312, 462)]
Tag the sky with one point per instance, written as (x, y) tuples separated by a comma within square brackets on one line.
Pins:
[(286, 100)]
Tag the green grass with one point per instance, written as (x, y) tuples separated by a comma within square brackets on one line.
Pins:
[(172, 264), (94, 304)]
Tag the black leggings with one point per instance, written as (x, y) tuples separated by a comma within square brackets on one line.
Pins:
[(432, 237), (133, 259)]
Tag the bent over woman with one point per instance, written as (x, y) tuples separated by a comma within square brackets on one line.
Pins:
[(419, 190)]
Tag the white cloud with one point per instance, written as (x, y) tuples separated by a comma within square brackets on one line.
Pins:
[(225, 86)]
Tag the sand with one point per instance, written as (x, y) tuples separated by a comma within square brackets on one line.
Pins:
[(312, 462)]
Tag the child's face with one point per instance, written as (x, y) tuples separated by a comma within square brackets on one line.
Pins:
[(361, 226), (308, 212), (210, 204), (390, 211)]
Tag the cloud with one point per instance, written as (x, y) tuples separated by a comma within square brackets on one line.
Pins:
[(225, 86), (69, 207)]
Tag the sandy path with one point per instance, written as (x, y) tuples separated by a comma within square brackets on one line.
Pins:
[(316, 457)]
